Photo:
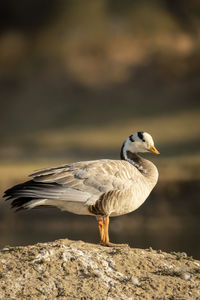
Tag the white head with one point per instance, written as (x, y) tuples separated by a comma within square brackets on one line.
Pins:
[(138, 142)]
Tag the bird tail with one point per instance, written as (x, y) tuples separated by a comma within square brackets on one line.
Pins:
[(29, 194)]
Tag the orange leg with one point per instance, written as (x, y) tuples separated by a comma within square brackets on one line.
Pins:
[(103, 225), (101, 230), (106, 227)]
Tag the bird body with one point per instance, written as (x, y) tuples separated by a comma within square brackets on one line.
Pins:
[(102, 188)]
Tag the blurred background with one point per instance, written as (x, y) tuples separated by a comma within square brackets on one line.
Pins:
[(76, 79)]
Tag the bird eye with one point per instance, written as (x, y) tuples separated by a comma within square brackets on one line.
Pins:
[(131, 138)]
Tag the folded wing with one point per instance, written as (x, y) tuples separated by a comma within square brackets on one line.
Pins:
[(73, 187)]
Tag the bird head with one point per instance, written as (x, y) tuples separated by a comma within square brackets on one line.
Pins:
[(139, 142)]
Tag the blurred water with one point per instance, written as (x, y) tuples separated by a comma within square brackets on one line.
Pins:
[(168, 220)]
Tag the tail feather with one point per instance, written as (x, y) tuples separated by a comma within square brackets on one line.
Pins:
[(27, 195), (31, 194), (20, 203)]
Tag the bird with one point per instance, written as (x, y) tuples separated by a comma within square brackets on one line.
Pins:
[(102, 188)]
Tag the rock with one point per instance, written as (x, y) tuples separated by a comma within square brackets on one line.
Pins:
[(77, 270), (135, 280)]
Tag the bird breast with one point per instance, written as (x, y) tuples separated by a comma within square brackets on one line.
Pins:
[(126, 198)]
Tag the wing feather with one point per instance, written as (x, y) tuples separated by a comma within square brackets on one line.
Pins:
[(74, 187), (91, 176)]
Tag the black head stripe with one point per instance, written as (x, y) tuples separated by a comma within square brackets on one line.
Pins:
[(131, 138), (141, 136)]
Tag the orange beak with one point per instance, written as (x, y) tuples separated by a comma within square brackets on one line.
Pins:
[(153, 150)]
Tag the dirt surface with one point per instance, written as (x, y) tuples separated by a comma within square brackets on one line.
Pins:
[(67, 269)]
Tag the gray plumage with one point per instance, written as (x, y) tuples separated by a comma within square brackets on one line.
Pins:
[(100, 187)]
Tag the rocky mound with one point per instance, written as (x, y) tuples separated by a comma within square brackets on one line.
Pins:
[(67, 269)]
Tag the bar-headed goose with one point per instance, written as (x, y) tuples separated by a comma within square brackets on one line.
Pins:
[(102, 188)]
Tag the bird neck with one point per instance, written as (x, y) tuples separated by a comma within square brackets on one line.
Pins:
[(144, 166), (137, 161)]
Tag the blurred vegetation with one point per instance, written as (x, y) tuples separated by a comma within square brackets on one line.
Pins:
[(74, 67), (78, 77)]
